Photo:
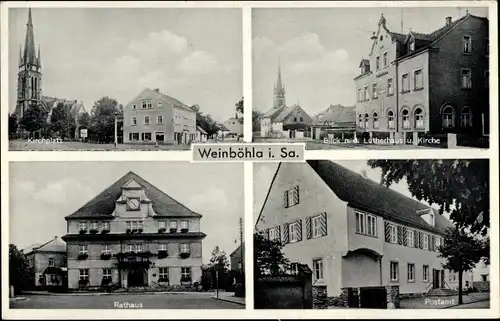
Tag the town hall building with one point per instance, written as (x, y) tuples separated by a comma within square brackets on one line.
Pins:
[(134, 235)]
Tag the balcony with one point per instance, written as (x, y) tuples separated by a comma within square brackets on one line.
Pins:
[(133, 260)]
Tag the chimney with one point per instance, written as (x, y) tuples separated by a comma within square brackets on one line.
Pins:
[(448, 21), (157, 90)]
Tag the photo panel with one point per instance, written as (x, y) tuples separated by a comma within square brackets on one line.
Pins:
[(126, 235), (376, 234), (103, 83), (380, 78)]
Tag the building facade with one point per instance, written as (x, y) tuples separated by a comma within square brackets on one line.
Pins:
[(47, 263), (133, 235), (352, 232), (237, 258), (413, 84), (235, 126), (155, 117), (283, 121)]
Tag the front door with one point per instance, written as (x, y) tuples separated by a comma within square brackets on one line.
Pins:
[(135, 277), (436, 279)]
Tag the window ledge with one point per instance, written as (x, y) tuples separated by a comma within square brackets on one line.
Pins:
[(405, 91), (418, 89), (389, 95)]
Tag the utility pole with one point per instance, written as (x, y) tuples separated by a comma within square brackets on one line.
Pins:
[(241, 246)]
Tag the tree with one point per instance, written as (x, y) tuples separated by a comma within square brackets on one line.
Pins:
[(462, 251), (219, 261), (61, 120), (239, 107), (84, 120), (102, 120), (256, 115), (19, 270), (459, 187), (13, 125), (34, 118), (268, 255)]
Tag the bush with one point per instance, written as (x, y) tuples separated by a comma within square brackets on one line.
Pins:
[(83, 256), (162, 230), (162, 254), (184, 255)]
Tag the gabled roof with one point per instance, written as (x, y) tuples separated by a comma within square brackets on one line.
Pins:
[(285, 111), (364, 62), (201, 130), (54, 245), (103, 205), (337, 114), (272, 112), (365, 194), (173, 101), (237, 251)]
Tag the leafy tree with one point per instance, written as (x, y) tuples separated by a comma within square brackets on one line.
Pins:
[(459, 187), (219, 261), (102, 120), (239, 107), (462, 251), (61, 120), (268, 255), (256, 115), (12, 124), (34, 118), (84, 120), (19, 270)]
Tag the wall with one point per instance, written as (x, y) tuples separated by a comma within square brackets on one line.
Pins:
[(360, 270), (315, 197), (41, 262), (283, 292), (295, 115), (184, 122), (234, 125)]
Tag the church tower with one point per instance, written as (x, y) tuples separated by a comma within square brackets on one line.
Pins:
[(279, 91), (29, 77)]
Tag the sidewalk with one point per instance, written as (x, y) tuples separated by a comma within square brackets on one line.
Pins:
[(229, 297), (442, 302), (112, 293)]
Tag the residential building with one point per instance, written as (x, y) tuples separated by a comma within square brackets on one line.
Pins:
[(47, 262), (223, 131), (133, 235), (155, 117), (334, 119), (235, 126), (237, 258), (416, 84), (201, 135), (354, 234), (282, 120)]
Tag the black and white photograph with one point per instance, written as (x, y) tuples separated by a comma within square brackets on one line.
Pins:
[(378, 234), (126, 235), (102, 83), (371, 78)]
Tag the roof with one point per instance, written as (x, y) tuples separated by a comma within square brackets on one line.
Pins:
[(103, 205), (223, 128), (272, 112), (201, 130), (173, 101), (54, 245), (337, 114), (285, 111), (365, 194), (237, 251)]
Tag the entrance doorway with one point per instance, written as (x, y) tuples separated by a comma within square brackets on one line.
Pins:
[(373, 298), (160, 137), (437, 279), (136, 277), (292, 133)]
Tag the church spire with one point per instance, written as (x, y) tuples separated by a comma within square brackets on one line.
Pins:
[(29, 44), (39, 59), (279, 90)]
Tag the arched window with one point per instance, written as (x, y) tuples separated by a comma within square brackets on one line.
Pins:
[(367, 119), (375, 120), (466, 117), (390, 118), (406, 118), (360, 121), (419, 118), (448, 117)]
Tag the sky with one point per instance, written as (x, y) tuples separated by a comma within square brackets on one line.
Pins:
[(264, 172), (43, 193), (194, 55), (320, 49)]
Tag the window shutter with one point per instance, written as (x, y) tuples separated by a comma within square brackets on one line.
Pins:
[(296, 195), (266, 234), (323, 224), (415, 239), (286, 238), (432, 241), (279, 233), (308, 228), (420, 240), (300, 230), (387, 232), (400, 235), (405, 236), (285, 199)]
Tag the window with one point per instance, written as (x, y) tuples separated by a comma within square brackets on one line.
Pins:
[(185, 273), (292, 197), (294, 268), (160, 105), (418, 80), (83, 226), (138, 248), (360, 222), (134, 136), (467, 44), (466, 117), (173, 225), (484, 277), (411, 272), (390, 117), (274, 234), (134, 120), (106, 273), (374, 91), (360, 95), (377, 62), (130, 248), (466, 78), (184, 248), (94, 225), (163, 247), (146, 120), (386, 59), (184, 224), (159, 119), (438, 244), (294, 231), (394, 271), (106, 226), (318, 226), (390, 87), (367, 120), (318, 269), (425, 273), (106, 249), (163, 273), (146, 104), (448, 117), (366, 97), (84, 274), (371, 225), (411, 46), (393, 233), (405, 82), (406, 119), (83, 249), (410, 238), (161, 224), (360, 121), (452, 276), (134, 106), (419, 118), (375, 120), (51, 261), (426, 242)]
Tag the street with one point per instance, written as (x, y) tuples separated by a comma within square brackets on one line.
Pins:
[(18, 145), (318, 145), (144, 301)]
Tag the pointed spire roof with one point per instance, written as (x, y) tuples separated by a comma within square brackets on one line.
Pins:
[(29, 55), (279, 83)]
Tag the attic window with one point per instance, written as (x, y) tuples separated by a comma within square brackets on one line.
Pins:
[(411, 45)]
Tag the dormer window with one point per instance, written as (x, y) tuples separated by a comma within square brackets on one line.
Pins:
[(411, 45)]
